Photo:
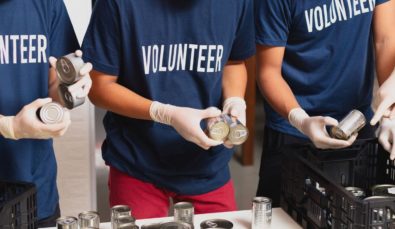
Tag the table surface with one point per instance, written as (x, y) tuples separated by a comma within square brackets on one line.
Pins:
[(240, 220)]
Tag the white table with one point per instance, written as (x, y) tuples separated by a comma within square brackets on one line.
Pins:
[(240, 220)]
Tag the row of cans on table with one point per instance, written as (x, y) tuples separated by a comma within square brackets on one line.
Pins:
[(378, 191), (225, 127)]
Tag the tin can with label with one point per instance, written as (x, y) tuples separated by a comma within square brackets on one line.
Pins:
[(383, 190), (50, 113), (175, 225), (118, 211), (89, 219), (216, 223), (357, 192), (67, 222), (183, 212), (238, 133), (125, 222), (261, 212), (68, 68), (351, 124), (217, 128), (69, 99)]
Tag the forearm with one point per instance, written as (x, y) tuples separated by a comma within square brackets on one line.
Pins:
[(234, 80), (385, 59), (118, 99)]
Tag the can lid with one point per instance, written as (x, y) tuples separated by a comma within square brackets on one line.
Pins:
[(88, 215), (238, 134), (216, 223), (183, 205), (121, 208), (175, 225), (65, 70), (338, 133), (261, 199), (66, 220), (218, 131), (51, 113)]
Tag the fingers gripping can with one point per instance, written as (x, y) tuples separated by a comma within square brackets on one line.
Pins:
[(68, 68), (67, 222), (88, 219), (183, 212), (261, 212), (117, 211), (217, 128), (351, 124), (50, 113), (69, 99)]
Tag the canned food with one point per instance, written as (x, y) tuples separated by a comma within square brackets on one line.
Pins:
[(375, 198), (68, 68), (183, 212), (216, 223), (67, 222), (118, 211), (89, 219), (50, 113), (125, 222), (175, 225), (69, 99), (217, 128), (383, 190), (238, 133), (351, 124), (261, 212), (357, 192)]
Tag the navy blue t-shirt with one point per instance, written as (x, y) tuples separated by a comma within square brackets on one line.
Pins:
[(171, 51), (329, 58), (30, 32)]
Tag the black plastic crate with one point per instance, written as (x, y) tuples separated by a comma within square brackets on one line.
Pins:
[(313, 184), (17, 205)]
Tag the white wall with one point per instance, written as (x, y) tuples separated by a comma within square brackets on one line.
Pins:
[(75, 150)]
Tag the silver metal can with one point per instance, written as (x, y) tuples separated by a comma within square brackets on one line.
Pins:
[(50, 113), (351, 124), (69, 99), (261, 212), (217, 128), (118, 211), (67, 222), (88, 219), (238, 133), (175, 225), (357, 192), (183, 212), (383, 190), (216, 223), (68, 68), (125, 222)]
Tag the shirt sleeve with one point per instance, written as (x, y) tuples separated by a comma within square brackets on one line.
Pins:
[(101, 45), (378, 2), (272, 22), (62, 38), (243, 44)]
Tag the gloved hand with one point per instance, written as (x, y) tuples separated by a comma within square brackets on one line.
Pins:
[(186, 121), (235, 107), (81, 87), (386, 135), (26, 124), (386, 100), (315, 128)]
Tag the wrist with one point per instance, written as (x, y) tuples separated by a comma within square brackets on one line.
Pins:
[(7, 127), (234, 100), (160, 112), (296, 117)]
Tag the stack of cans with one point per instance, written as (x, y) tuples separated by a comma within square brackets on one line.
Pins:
[(68, 68), (224, 128), (183, 212), (86, 220), (121, 218), (261, 212)]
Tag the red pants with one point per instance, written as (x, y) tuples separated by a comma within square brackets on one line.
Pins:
[(148, 201)]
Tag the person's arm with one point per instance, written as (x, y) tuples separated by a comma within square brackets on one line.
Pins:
[(279, 95)]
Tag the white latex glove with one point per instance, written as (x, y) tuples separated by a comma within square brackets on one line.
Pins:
[(81, 87), (26, 124), (386, 135), (186, 121), (235, 107), (315, 128), (385, 98)]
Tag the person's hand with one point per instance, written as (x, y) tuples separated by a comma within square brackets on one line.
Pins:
[(385, 99), (26, 124), (186, 121), (235, 107), (315, 128), (386, 135), (81, 87)]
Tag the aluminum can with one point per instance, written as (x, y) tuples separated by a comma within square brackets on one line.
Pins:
[(183, 212), (67, 222), (238, 133), (351, 124), (88, 219), (384, 190), (261, 212), (50, 113), (68, 68), (175, 225), (118, 211), (69, 99), (216, 223), (125, 222), (357, 192), (217, 128)]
